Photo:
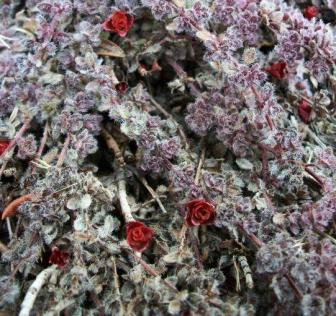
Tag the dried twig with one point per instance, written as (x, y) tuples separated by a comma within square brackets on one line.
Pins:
[(62, 155), (152, 193), (3, 248), (18, 135), (34, 289), (42, 144), (152, 271), (171, 117), (9, 228), (117, 287), (258, 243), (11, 145), (113, 146)]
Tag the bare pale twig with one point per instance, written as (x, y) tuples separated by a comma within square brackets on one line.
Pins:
[(34, 289), (117, 287), (152, 193), (125, 208), (113, 146), (9, 227), (200, 164), (3, 248)]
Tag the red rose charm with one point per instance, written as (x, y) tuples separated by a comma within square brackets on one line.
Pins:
[(277, 70), (310, 12), (3, 146), (119, 22), (58, 257), (199, 212), (305, 111), (138, 235)]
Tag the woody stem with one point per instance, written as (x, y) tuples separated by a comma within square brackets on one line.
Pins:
[(125, 208), (114, 147)]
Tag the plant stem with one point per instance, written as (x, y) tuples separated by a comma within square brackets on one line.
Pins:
[(34, 289), (62, 155)]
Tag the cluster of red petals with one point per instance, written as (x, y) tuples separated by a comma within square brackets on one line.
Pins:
[(199, 212), (138, 235), (3, 146), (59, 257), (310, 12), (119, 22), (277, 70), (305, 111), (121, 87)]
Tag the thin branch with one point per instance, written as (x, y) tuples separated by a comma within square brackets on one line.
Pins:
[(18, 135), (9, 227), (258, 243), (43, 141), (42, 144), (117, 287), (34, 289), (11, 145), (152, 193), (125, 208), (200, 163), (113, 146), (171, 117), (195, 245), (62, 155), (152, 271), (3, 248), (184, 77)]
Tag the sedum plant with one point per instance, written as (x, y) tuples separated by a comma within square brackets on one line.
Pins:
[(167, 157)]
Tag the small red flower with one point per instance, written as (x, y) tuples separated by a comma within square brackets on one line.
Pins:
[(310, 12), (3, 146), (58, 257), (199, 212), (305, 111), (121, 87), (138, 235), (277, 70), (119, 22)]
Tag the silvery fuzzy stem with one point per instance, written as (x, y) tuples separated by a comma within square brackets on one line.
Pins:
[(125, 208), (34, 289)]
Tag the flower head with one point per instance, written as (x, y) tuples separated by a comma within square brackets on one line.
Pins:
[(199, 212), (3, 146), (305, 111), (119, 22), (59, 257), (310, 12), (138, 235), (277, 70), (121, 87)]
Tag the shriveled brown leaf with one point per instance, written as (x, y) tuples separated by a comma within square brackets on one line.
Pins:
[(108, 48)]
